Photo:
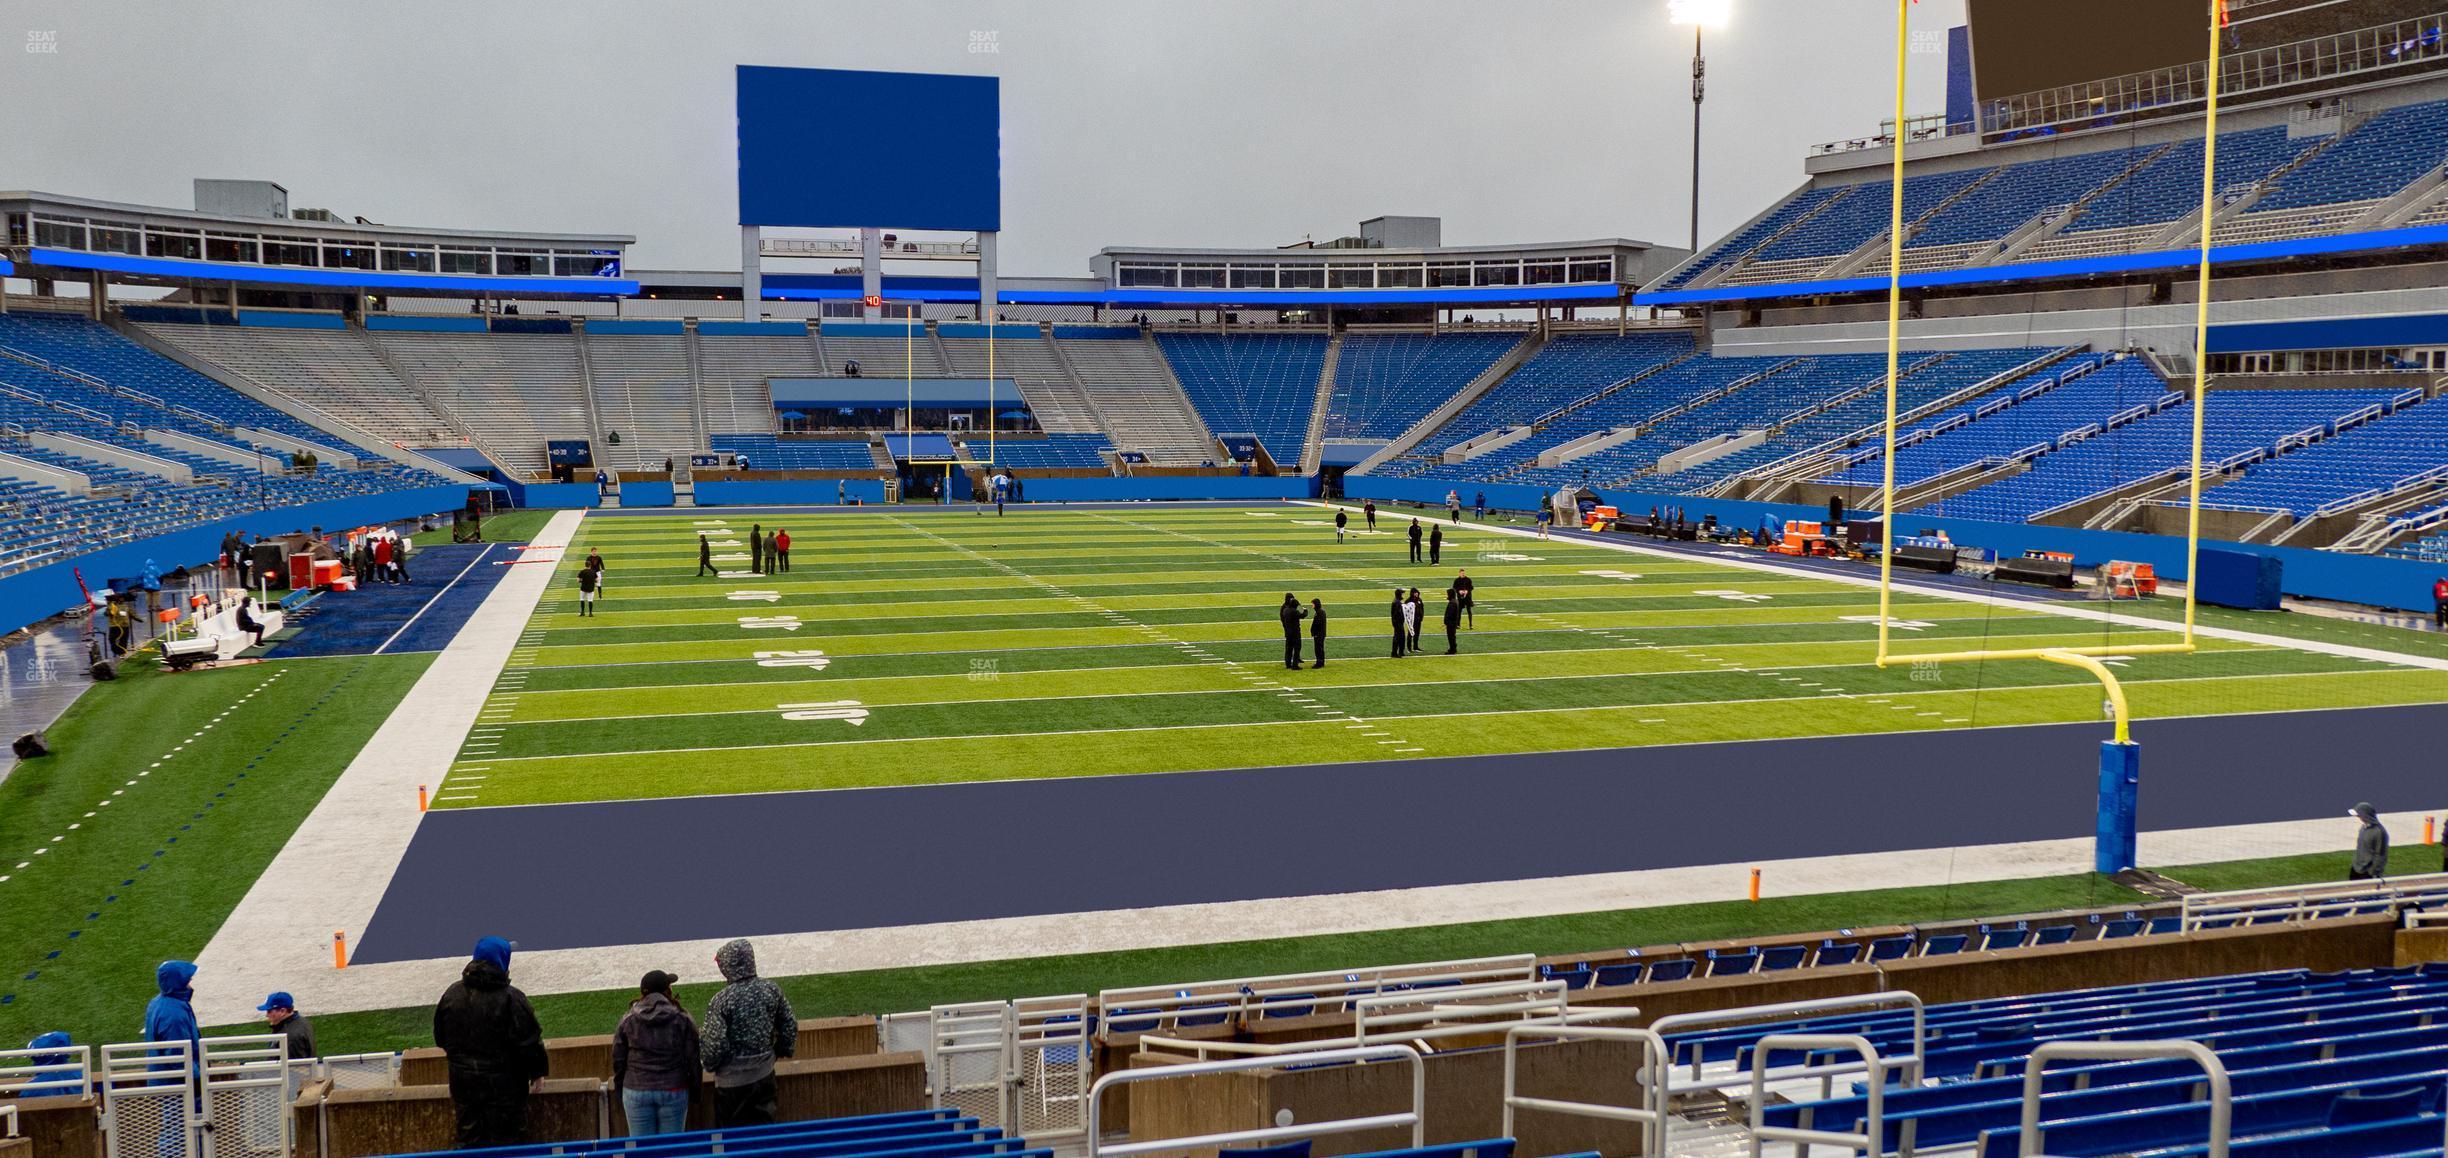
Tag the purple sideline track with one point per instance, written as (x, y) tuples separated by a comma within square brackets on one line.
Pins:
[(633, 872)]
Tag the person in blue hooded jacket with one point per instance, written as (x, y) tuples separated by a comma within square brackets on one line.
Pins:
[(58, 1076), (488, 1031), (171, 1015)]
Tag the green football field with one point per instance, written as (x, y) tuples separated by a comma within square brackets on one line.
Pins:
[(925, 646)]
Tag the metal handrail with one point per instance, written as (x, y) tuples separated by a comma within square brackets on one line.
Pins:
[(1871, 1139), (1240, 995), (1415, 1118), (1652, 1077), (2222, 1097), (2306, 901), (1896, 999)]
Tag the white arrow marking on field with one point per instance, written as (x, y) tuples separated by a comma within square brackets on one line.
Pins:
[(733, 557), (739, 574), (729, 543), (1625, 575), (1734, 596), (1509, 557), (782, 622), (848, 711), (814, 660), (755, 597), (1898, 624)]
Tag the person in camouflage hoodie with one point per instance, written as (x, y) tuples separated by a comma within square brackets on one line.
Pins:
[(747, 1026)]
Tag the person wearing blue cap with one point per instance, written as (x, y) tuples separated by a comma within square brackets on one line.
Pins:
[(280, 1012), (495, 1050)]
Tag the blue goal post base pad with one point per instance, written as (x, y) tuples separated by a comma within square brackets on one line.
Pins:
[(842, 148)]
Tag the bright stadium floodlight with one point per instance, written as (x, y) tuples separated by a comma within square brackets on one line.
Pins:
[(1701, 15)]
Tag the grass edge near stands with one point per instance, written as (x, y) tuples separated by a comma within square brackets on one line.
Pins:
[(900, 990)]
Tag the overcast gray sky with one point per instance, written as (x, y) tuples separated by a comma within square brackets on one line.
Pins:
[(1124, 121)]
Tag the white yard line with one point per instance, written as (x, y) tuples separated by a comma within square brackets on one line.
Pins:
[(332, 874)]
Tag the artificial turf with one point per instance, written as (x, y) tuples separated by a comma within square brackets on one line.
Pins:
[(165, 797), (1063, 642)]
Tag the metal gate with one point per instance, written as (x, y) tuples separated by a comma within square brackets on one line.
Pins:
[(245, 1097), (162, 1100), (147, 1108), (1019, 1066), (1053, 1064), (968, 1050)]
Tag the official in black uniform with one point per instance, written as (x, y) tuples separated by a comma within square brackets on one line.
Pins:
[(1317, 630), (1291, 614), (1415, 540), (705, 558), (1453, 620), (1401, 630), (1436, 545)]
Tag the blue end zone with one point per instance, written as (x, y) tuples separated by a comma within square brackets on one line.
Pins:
[(1429, 825), (445, 586)]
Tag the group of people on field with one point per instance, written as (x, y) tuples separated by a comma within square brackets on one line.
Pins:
[(768, 552)]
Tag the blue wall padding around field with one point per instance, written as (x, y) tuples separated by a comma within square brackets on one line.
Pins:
[(1089, 490), (551, 496), (822, 492), (465, 458), (283, 320), (30, 596), (752, 329), (635, 326), (641, 493), (2239, 579), (2376, 580), (439, 324)]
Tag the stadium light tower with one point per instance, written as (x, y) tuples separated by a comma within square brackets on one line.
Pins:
[(1701, 15)]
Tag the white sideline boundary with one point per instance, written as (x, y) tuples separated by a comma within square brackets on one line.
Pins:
[(332, 873)]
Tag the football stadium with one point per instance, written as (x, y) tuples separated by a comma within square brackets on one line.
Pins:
[(1906, 615)]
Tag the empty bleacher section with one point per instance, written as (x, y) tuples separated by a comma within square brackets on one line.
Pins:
[(639, 373), (1385, 382), (1570, 367), (161, 447), (1261, 384), (1124, 378), (2150, 445), (733, 361), (527, 389), (1062, 451), (2080, 202), (2408, 443), (2365, 166), (882, 349), (333, 369), (766, 452)]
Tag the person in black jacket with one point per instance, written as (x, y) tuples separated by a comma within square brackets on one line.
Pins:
[(1401, 630), (1342, 520), (1291, 613), (655, 1059), (1317, 630), (589, 582), (756, 548), (488, 1033), (1436, 545), (705, 558), (1418, 611), (1415, 540), (1368, 510), (1462, 587), (1453, 620)]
